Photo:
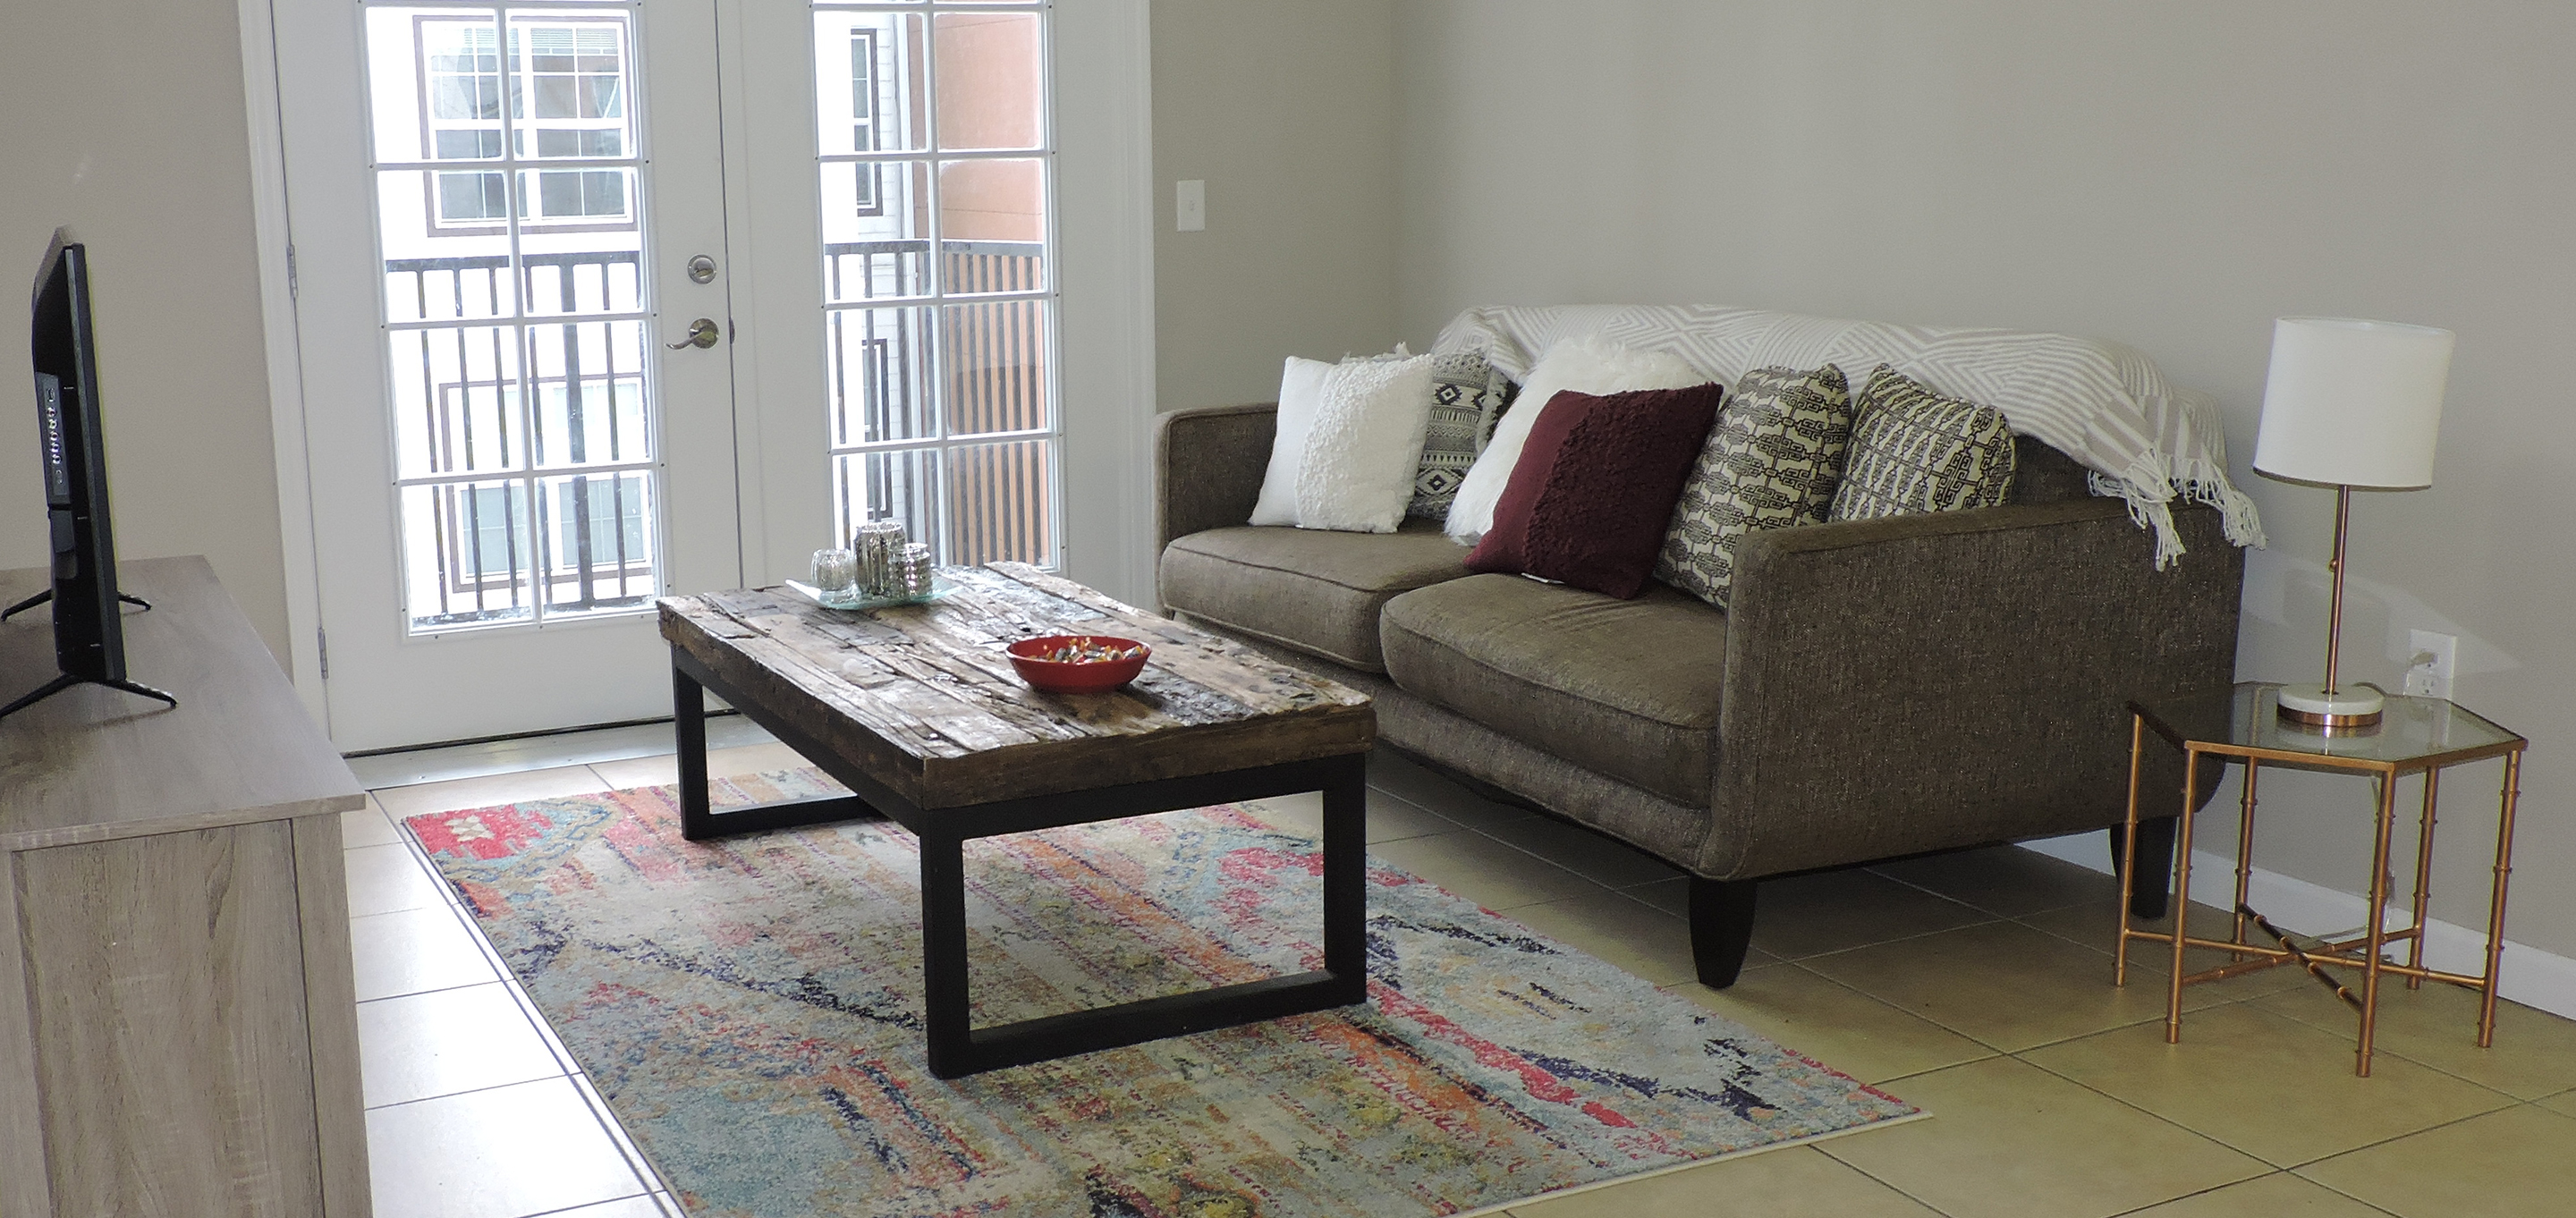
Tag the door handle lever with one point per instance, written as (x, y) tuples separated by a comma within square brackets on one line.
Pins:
[(703, 334)]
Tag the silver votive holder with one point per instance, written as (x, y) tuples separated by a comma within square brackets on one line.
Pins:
[(914, 571), (879, 545)]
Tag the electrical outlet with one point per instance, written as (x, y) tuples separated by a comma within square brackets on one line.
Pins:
[(2436, 658), (1189, 205)]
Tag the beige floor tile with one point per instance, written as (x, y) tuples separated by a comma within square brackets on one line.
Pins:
[(1838, 910), (2008, 1139), (2003, 983), (447, 1042), (2534, 1052), (1834, 1024), (2006, 881), (1406, 779), (368, 826), (1645, 941), (1604, 861), (2279, 1195), (2563, 1102), (2270, 1086), (413, 951), (532, 1148), (405, 802), (1483, 870), (386, 879), (2506, 1164), (663, 770), (1795, 1182), (1389, 819)]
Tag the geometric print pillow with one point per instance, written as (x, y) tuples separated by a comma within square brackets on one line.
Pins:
[(1466, 396), (1913, 450), (1771, 462)]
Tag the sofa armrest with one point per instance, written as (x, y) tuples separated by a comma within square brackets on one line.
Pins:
[(1928, 682), (1208, 465)]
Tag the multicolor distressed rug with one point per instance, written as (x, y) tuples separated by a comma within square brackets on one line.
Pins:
[(751, 1009)]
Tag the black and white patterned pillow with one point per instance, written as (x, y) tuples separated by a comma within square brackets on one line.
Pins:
[(1913, 450), (1771, 462), (1466, 396)]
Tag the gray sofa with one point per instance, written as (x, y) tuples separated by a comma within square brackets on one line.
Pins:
[(1876, 689)]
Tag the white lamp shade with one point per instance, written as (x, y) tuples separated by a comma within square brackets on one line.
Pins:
[(2353, 403)]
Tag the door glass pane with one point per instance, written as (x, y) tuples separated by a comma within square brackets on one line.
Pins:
[(1001, 502), (989, 74), (995, 355), (455, 397), (509, 188), (952, 429), (599, 542), (879, 370), (900, 486), (867, 87), (467, 556)]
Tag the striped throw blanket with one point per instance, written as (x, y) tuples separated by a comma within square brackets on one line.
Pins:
[(2103, 404)]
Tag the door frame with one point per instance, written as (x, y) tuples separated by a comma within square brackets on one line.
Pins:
[(1106, 203)]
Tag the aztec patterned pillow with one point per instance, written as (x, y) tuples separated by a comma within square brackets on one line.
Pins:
[(1771, 462), (1913, 450), (1467, 396)]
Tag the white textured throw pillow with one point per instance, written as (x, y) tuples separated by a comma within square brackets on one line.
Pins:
[(1301, 391), (1590, 364), (1348, 440)]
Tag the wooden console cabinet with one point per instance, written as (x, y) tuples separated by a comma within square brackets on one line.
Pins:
[(178, 1017)]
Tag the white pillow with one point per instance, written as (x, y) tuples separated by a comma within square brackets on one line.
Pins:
[(1301, 391), (1590, 364), (1365, 445)]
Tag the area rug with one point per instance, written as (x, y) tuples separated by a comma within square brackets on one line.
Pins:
[(751, 1010)]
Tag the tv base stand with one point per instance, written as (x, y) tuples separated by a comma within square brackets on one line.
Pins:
[(48, 594), (59, 684)]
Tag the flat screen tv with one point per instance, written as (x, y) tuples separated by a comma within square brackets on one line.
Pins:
[(89, 631)]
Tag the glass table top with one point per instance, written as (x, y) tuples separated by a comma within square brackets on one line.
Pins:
[(2412, 731)]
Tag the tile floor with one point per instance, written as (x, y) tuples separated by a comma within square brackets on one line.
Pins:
[(1976, 985)]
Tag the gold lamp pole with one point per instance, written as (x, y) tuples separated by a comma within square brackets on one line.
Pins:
[(2349, 403)]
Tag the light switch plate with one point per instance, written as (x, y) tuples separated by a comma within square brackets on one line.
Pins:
[(1189, 205)]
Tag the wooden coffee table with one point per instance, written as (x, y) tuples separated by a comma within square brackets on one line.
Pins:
[(917, 710)]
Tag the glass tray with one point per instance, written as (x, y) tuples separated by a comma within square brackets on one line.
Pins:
[(940, 588)]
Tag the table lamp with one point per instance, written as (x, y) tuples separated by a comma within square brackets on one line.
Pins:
[(2349, 403)]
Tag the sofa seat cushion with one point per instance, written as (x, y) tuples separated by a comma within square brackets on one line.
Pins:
[(1315, 591), (1626, 688)]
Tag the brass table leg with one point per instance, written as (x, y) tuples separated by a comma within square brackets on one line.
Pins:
[(2181, 896), (2378, 935), (2245, 845), (2128, 852), (2495, 910), (2423, 876)]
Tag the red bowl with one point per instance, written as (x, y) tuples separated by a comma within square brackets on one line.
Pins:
[(1077, 676)]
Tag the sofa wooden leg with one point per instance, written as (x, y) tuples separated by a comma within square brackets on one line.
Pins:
[(1721, 928), (2154, 885)]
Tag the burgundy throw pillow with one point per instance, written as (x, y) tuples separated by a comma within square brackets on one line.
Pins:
[(1594, 487)]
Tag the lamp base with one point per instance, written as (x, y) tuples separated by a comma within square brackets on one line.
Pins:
[(2317, 706)]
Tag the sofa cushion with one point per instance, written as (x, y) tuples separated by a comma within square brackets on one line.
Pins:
[(1914, 450), (1770, 463), (1588, 503), (1627, 688), (1314, 591)]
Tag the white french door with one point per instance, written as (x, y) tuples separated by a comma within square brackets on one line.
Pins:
[(509, 219)]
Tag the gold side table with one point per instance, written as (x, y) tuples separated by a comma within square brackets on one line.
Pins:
[(2415, 736)]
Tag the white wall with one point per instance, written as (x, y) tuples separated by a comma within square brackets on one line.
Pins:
[(126, 122), (1286, 111), (2171, 175)]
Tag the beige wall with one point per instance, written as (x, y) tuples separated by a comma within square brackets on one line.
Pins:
[(2171, 175), (126, 122), (1286, 112)]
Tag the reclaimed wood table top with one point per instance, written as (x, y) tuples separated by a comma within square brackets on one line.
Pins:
[(923, 698)]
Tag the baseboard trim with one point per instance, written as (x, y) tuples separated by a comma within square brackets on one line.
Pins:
[(2532, 977)]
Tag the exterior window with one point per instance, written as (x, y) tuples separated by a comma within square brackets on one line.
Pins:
[(565, 84), (863, 113)]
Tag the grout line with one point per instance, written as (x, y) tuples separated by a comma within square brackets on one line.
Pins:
[(432, 1099), (640, 1191)]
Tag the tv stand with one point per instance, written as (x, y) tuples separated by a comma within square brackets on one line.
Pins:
[(59, 684), (48, 594)]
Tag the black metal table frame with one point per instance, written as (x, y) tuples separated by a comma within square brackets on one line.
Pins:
[(957, 1048)]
